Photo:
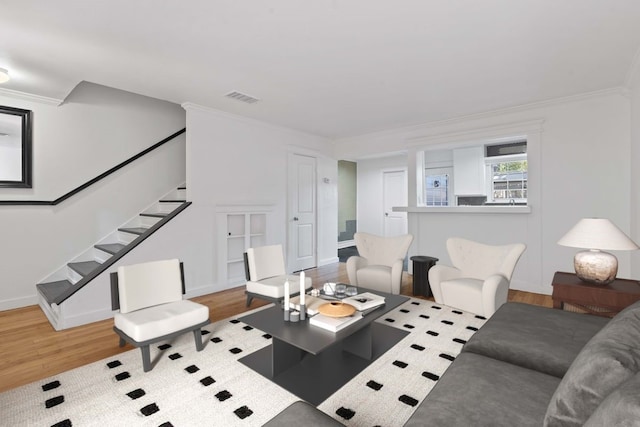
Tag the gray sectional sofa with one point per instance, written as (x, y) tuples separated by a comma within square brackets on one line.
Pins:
[(534, 366)]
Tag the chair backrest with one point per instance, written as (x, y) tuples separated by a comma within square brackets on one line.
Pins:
[(148, 284), (265, 261), (379, 250), (479, 261)]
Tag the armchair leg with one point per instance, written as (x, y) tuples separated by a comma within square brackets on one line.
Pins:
[(146, 358), (197, 335), (249, 299), (122, 342)]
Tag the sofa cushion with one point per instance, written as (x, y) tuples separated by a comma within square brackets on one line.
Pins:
[(534, 337), (374, 274), (610, 358), (301, 413), (620, 408), (480, 391), (273, 287), (157, 321)]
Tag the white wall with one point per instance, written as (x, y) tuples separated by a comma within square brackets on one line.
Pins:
[(92, 131), (635, 170), (583, 170), (233, 161)]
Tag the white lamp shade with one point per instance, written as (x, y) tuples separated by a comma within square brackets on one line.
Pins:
[(597, 233)]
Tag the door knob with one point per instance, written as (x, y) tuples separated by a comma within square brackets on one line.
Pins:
[(386, 214), (295, 218)]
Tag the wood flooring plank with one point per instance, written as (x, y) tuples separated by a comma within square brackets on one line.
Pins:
[(30, 349)]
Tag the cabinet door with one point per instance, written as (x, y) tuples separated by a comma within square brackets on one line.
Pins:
[(239, 230), (468, 171)]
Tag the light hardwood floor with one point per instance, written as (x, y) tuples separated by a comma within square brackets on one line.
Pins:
[(30, 349)]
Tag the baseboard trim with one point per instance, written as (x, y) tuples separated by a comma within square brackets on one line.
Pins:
[(328, 261), (85, 318), (10, 304), (204, 290), (520, 285)]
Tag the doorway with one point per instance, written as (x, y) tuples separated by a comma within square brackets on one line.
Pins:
[(347, 203), (302, 212)]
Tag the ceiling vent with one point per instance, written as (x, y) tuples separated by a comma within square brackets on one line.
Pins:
[(242, 97)]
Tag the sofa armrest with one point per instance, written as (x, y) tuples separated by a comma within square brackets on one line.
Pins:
[(355, 263), (440, 273)]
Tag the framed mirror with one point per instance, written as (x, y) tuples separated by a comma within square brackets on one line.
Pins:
[(15, 147)]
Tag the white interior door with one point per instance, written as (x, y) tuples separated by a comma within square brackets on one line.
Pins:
[(302, 212), (394, 195)]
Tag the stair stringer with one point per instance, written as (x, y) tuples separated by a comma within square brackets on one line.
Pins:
[(93, 303), (58, 313), (91, 253)]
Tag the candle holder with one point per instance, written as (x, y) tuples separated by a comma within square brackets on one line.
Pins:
[(303, 311), (287, 315)]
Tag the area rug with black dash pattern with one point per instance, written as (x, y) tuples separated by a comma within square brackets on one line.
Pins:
[(210, 387)]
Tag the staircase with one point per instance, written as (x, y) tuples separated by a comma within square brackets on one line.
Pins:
[(60, 289)]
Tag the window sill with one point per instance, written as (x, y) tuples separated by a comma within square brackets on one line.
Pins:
[(467, 209)]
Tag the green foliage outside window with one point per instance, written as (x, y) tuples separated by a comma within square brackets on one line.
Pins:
[(520, 166)]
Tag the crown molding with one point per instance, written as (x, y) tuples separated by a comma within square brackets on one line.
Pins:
[(31, 97), (484, 133), (427, 126)]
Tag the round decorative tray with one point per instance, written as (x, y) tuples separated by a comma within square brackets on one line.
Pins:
[(336, 309)]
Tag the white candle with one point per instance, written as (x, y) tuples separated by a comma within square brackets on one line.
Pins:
[(302, 288), (286, 295)]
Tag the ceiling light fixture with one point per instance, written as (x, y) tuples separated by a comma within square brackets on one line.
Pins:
[(4, 75)]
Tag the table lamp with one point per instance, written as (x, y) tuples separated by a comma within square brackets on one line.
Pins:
[(596, 234)]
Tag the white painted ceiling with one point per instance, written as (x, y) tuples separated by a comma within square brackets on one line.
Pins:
[(335, 68)]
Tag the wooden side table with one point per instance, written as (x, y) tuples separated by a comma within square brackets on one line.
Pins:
[(601, 300)]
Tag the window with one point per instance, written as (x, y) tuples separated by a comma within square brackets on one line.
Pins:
[(437, 188), (506, 166), (484, 170)]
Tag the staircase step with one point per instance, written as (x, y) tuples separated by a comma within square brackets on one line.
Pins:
[(54, 292), (172, 201), (110, 248), (155, 214), (84, 267), (134, 230), (51, 290)]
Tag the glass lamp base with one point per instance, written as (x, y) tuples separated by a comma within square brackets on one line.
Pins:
[(595, 266)]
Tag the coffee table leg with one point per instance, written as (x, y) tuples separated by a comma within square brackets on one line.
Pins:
[(360, 343), (284, 356)]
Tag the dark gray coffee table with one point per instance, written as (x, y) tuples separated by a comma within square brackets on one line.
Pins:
[(313, 363)]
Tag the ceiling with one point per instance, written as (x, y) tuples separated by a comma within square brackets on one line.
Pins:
[(335, 68)]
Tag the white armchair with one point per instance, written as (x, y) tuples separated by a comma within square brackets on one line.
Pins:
[(149, 297), (379, 266), (479, 281), (266, 274)]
